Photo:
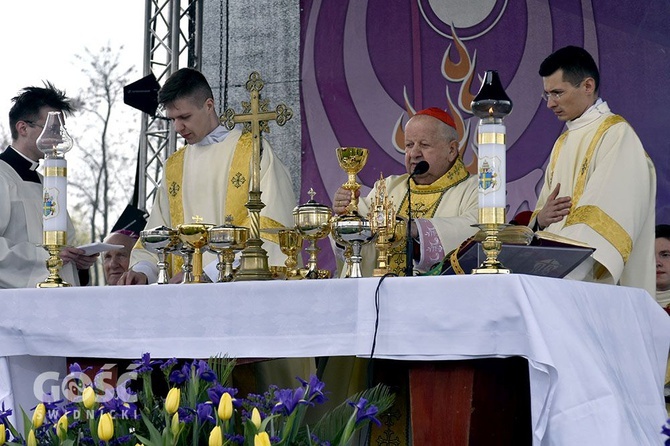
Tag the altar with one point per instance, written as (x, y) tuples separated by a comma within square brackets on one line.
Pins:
[(596, 353)]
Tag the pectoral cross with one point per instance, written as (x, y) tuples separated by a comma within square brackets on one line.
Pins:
[(255, 117)]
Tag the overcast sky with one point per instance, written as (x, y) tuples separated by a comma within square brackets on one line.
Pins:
[(40, 38)]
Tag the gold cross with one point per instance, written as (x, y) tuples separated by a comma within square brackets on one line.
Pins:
[(197, 219)]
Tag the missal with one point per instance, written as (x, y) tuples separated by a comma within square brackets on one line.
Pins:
[(523, 252)]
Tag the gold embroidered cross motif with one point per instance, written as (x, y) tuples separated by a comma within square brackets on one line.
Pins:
[(174, 188), (238, 180), (196, 219)]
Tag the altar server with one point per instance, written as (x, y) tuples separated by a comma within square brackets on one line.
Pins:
[(22, 258)]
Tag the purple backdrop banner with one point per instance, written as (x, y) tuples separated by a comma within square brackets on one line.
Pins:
[(367, 65)]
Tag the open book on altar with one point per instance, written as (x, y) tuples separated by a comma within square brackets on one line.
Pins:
[(523, 252)]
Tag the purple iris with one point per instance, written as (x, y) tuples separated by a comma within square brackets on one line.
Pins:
[(288, 400), (145, 365), (4, 414), (315, 394), (364, 413), (169, 363), (180, 376), (204, 411), (203, 371)]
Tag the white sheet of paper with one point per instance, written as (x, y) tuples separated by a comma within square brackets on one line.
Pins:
[(97, 247)]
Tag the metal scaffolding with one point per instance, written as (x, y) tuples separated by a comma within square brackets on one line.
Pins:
[(172, 39)]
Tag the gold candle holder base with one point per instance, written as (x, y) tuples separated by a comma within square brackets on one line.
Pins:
[(53, 242), (491, 222)]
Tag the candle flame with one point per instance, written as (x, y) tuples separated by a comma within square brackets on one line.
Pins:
[(491, 111)]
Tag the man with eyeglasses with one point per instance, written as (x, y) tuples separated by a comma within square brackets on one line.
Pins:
[(22, 259), (600, 185)]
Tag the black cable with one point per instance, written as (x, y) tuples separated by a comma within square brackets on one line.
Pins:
[(374, 336)]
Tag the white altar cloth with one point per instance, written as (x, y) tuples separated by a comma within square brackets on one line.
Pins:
[(597, 353)]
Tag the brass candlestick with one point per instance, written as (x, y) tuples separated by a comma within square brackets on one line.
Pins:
[(53, 242), (491, 105)]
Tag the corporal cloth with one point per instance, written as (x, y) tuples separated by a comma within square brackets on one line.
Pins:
[(600, 162), (215, 183)]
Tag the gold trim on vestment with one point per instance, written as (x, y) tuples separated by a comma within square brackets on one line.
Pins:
[(174, 177), (603, 224), (238, 178), (426, 199), (586, 162)]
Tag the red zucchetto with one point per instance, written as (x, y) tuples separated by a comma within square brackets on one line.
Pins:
[(438, 113)]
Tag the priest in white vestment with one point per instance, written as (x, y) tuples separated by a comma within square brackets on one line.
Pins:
[(444, 199), (210, 178), (663, 266), (600, 184)]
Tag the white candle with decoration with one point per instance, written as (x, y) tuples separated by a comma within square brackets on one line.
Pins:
[(491, 105), (54, 141)]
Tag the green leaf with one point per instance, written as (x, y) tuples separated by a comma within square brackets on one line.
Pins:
[(332, 425)]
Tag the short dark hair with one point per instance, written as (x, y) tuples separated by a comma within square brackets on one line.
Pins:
[(663, 231), (29, 102), (576, 63), (185, 83)]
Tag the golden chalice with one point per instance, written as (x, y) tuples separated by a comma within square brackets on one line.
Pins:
[(290, 243), (194, 237), (352, 160)]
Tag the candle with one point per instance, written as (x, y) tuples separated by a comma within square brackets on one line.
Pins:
[(491, 165), (55, 194)]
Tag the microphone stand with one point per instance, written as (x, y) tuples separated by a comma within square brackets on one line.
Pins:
[(409, 253)]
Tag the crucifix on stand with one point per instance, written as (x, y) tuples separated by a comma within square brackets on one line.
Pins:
[(255, 117)]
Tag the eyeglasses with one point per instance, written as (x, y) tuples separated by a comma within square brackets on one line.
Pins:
[(556, 95), (553, 95), (34, 124)]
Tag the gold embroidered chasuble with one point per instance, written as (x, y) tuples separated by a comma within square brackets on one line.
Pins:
[(449, 207), (600, 162), (212, 182)]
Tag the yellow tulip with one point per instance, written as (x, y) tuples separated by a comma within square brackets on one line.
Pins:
[(2, 434), (61, 427), (31, 438), (262, 439), (172, 400), (215, 437), (88, 397), (175, 424), (106, 427), (225, 407), (256, 418), (38, 415)]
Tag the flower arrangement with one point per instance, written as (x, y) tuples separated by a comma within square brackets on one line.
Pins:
[(198, 409)]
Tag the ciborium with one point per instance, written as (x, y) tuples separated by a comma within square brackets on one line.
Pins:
[(312, 221), (161, 241), (194, 237), (225, 240), (290, 243)]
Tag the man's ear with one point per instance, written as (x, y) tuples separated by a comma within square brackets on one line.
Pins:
[(589, 85), (453, 151), (21, 128)]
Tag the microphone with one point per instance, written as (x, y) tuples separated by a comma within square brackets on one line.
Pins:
[(421, 168)]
